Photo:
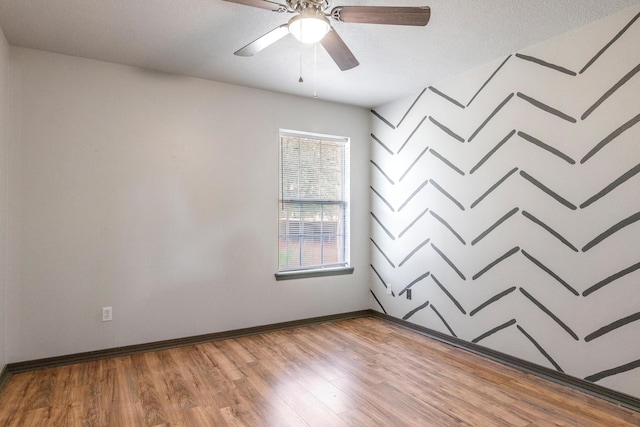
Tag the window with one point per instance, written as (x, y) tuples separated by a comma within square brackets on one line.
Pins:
[(313, 218)]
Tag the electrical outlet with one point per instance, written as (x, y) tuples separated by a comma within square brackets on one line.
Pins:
[(389, 289), (107, 314), (408, 293)]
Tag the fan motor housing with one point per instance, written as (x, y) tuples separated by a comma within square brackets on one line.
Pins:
[(300, 5)]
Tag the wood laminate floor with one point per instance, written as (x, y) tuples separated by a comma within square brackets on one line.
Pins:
[(362, 372)]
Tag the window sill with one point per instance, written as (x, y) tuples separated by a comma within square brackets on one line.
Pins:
[(304, 274)]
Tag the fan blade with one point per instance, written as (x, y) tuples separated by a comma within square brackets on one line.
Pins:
[(391, 15), (262, 4), (261, 42), (338, 50)]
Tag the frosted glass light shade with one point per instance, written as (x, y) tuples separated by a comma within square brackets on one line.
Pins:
[(309, 27)]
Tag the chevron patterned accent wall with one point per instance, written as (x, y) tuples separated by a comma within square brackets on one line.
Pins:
[(506, 205)]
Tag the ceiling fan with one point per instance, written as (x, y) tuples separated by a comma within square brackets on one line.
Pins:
[(311, 24)]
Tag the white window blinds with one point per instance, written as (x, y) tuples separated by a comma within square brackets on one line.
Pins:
[(314, 201)]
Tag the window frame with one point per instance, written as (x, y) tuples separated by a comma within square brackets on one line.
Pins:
[(341, 268)]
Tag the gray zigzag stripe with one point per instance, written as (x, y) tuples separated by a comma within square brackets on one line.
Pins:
[(611, 279), (385, 121), (549, 230), (417, 190), (545, 107), (612, 230), (614, 371), (378, 301), (413, 164), (612, 326), (488, 80), (491, 116), (413, 223), (385, 201), (448, 98), (495, 225), (446, 224), (415, 310), (411, 107), (387, 149), (448, 261), (492, 151), (540, 349), (609, 188), (446, 194), (444, 322), (493, 331), (377, 166), (547, 190), (448, 294), (608, 45), (445, 161), (492, 300), (382, 253), (611, 91), (413, 252), (411, 135), (613, 135), (414, 281), (492, 264), (493, 187), (546, 64), (549, 272), (385, 229), (546, 147), (549, 313), (446, 129), (381, 279)]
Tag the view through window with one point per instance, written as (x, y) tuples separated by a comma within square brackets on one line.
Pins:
[(314, 201)]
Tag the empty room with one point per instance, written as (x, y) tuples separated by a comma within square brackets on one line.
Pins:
[(319, 213)]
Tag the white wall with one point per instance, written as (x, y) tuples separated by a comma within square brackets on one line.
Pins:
[(157, 195), (4, 199), (538, 255)]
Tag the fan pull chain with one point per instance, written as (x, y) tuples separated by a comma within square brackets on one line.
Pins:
[(315, 70), (300, 80)]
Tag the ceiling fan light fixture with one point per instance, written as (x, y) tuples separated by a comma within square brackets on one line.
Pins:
[(309, 27)]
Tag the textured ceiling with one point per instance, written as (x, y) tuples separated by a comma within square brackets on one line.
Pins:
[(198, 38)]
